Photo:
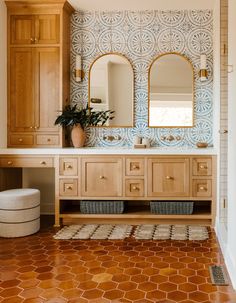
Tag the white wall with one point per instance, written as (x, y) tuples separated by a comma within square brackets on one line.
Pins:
[(231, 245), (3, 74)]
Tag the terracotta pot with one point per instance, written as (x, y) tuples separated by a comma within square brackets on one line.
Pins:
[(78, 136)]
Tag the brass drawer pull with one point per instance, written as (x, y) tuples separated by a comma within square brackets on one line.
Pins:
[(135, 167), (43, 163), (203, 167), (135, 188), (169, 178), (102, 177), (69, 166), (69, 187), (9, 162), (202, 188), (20, 140)]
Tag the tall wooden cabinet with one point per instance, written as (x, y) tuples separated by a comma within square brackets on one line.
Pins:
[(38, 70)]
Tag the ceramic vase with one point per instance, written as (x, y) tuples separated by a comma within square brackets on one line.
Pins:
[(78, 136)]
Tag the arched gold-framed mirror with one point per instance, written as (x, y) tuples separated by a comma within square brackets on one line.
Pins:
[(171, 92), (111, 87)]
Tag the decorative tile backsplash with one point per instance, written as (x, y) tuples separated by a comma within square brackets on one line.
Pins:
[(141, 36)]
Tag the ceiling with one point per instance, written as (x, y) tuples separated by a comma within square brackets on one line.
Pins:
[(109, 5)]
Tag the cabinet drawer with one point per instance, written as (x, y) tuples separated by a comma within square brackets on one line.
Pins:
[(202, 167), (68, 167), (134, 187), (68, 187), (101, 177), (47, 140), (26, 162), (168, 177), (202, 188), (134, 167), (21, 140)]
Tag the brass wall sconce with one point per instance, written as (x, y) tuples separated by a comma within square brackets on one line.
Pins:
[(78, 69), (203, 70)]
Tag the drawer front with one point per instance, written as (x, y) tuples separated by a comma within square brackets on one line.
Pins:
[(202, 166), (134, 188), (27, 162), (21, 140), (49, 140), (68, 167), (202, 188), (168, 177), (68, 187), (101, 177), (134, 167)]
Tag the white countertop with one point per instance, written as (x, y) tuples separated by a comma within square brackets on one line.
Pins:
[(109, 151)]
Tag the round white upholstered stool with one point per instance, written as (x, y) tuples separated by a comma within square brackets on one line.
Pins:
[(19, 212)]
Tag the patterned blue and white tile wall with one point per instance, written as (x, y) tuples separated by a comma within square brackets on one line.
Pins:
[(141, 36)]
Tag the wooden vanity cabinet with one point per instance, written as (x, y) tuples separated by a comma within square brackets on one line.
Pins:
[(137, 180), (38, 70)]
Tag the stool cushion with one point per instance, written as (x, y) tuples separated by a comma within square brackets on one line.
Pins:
[(19, 212), (21, 198)]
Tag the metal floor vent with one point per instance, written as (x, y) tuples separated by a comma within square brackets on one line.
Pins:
[(218, 276)]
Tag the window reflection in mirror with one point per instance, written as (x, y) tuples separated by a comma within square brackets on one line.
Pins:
[(171, 92), (111, 88)]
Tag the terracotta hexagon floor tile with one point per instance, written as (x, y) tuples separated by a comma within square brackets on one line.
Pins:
[(29, 283), (126, 286), (197, 280), (120, 278), (147, 286), (139, 278), (156, 295), (107, 285), (178, 279), (158, 279), (87, 285), (12, 300), (168, 271), (113, 294), (188, 287), (167, 287), (134, 295), (92, 294), (72, 293), (177, 296), (104, 277), (31, 293), (9, 283), (10, 292), (199, 296)]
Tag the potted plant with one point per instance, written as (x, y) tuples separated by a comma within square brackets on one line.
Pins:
[(76, 119)]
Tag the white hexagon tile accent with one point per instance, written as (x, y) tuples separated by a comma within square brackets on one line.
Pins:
[(141, 36)]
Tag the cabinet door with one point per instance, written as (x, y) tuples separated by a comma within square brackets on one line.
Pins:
[(22, 29), (101, 177), (168, 177), (21, 110), (47, 28), (47, 89)]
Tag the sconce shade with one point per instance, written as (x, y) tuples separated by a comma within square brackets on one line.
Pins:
[(203, 71), (78, 69)]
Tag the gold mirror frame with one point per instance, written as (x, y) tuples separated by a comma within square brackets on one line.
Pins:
[(89, 82), (149, 88)]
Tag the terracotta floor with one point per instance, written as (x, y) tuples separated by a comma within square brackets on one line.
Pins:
[(40, 269)]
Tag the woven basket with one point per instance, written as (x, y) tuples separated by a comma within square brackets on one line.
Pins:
[(101, 207), (172, 207)]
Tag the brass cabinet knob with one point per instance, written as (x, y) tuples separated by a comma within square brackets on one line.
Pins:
[(169, 178), (9, 162), (202, 188), (101, 177), (69, 166), (31, 127), (69, 187), (135, 188), (135, 167), (20, 140), (203, 166), (43, 163), (35, 40), (31, 40)]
